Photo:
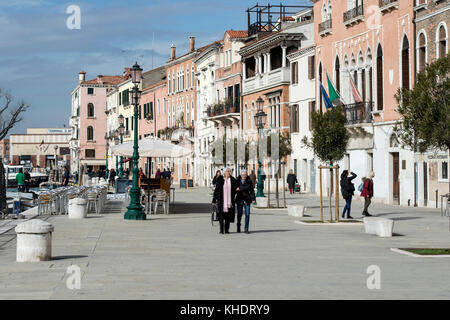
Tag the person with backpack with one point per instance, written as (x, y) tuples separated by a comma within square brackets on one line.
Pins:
[(245, 196), (367, 193), (347, 190)]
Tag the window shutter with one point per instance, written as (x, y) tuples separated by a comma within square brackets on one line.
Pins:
[(379, 83), (311, 69)]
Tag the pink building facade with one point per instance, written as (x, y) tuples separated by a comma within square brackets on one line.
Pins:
[(88, 121), (370, 42)]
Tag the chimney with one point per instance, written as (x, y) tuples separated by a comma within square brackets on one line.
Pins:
[(100, 79), (172, 52), (191, 44), (81, 76)]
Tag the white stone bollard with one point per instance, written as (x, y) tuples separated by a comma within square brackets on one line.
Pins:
[(34, 241), (261, 202), (296, 211), (77, 208), (382, 227)]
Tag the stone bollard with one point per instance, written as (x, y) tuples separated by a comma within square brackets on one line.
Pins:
[(77, 208), (261, 202), (34, 241), (296, 211)]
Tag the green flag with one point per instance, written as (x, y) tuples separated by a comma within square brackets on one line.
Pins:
[(334, 96)]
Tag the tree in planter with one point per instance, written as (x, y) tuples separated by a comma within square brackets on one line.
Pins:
[(10, 115), (285, 149), (425, 110), (329, 138)]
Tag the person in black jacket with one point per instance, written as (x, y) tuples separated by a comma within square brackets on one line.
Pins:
[(245, 195), (224, 198), (291, 180), (347, 189), (218, 174)]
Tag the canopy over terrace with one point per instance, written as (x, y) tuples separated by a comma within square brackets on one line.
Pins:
[(151, 147)]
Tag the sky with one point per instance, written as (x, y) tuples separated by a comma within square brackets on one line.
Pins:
[(40, 57)]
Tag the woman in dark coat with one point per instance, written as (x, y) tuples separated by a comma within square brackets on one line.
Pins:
[(224, 198), (245, 195), (347, 190), (291, 180)]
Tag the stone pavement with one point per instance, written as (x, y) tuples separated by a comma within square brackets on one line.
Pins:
[(181, 256)]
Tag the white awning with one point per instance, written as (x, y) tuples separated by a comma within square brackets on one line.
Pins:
[(151, 147), (93, 162)]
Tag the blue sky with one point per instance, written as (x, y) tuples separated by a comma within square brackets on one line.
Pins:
[(40, 58)]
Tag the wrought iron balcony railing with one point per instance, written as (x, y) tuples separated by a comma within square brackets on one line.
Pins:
[(360, 112), (223, 108), (387, 5), (354, 15), (325, 27)]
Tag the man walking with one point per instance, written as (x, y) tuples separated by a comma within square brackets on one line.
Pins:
[(27, 180), (20, 179)]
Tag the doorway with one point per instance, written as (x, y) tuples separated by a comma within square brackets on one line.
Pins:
[(395, 178), (425, 184)]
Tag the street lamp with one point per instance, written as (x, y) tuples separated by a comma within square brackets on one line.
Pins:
[(56, 162), (121, 132), (135, 210), (260, 121)]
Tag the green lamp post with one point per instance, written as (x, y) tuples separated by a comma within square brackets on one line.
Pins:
[(260, 121), (121, 132), (135, 210)]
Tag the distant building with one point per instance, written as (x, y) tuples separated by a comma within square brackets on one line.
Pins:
[(4, 150), (88, 121), (39, 146)]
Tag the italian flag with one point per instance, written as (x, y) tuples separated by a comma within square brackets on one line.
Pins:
[(332, 92)]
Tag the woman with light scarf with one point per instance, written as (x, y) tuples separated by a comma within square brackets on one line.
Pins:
[(224, 198)]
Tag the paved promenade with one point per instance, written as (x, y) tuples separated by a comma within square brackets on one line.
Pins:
[(181, 256)]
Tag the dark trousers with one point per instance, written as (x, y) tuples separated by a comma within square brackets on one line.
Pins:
[(244, 208), (348, 205), (224, 221), (367, 202), (27, 187)]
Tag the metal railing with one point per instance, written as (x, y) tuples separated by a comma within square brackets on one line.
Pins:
[(326, 25), (354, 13), (360, 112)]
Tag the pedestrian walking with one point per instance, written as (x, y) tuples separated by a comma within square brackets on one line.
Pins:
[(347, 190), (20, 179), (245, 196), (158, 174), (224, 198), (65, 177), (27, 180), (218, 174), (367, 193), (291, 180), (112, 177), (253, 178)]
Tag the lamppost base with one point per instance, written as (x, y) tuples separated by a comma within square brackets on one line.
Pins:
[(135, 213)]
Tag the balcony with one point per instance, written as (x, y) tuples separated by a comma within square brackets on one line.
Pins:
[(420, 5), (357, 113), (223, 108), (266, 80), (354, 16), (388, 5), (325, 28)]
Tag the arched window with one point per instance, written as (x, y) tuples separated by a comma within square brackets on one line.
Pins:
[(90, 133), (90, 110), (442, 44), (324, 13), (252, 119), (329, 9), (393, 141), (337, 74), (422, 52), (380, 92), (405, 63), (369, 75)]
